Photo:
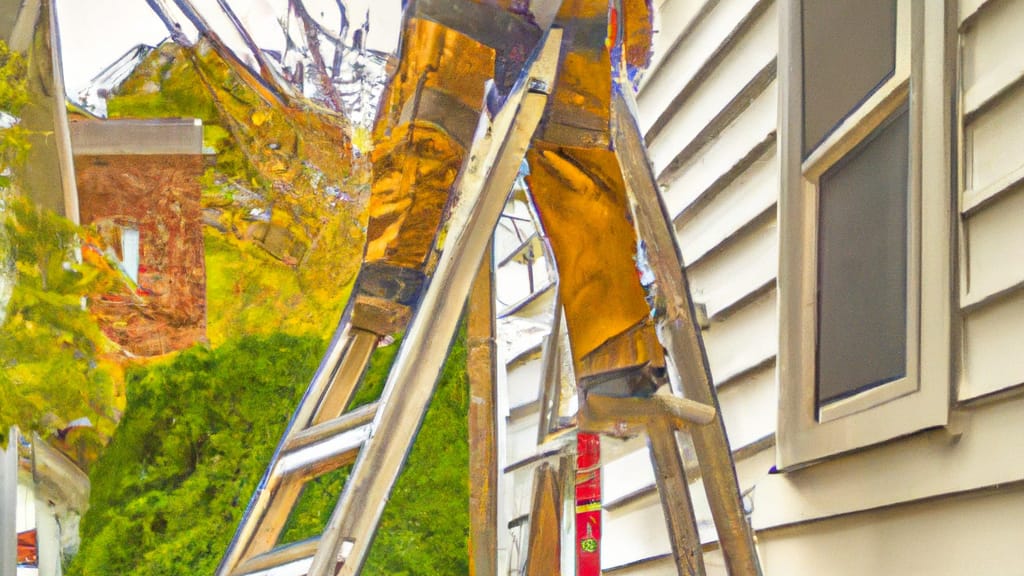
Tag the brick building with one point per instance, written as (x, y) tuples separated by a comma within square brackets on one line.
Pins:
[(138, 184)]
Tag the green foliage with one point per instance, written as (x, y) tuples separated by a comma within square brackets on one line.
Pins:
[(52, 370), (12, 80), (425, 526), (14, 143), (198, 433), (248, 291)]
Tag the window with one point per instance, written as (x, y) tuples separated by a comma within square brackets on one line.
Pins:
[(864, 211), (130, 252)]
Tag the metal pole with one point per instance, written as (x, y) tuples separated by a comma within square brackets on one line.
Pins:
[(9, 505)]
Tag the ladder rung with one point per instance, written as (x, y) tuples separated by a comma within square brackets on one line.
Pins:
[(333, 427), (290, 559), (628, 416), (328, 445)]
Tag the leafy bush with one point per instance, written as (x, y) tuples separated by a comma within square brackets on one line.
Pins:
[(425, 526), (52, 369), (197, 435), (13, 96)]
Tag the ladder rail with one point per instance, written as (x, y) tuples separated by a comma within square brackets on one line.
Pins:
[(680, 334), (493, 163), (674, 492), (481, 369)]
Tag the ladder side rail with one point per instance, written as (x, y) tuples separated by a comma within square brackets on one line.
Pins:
[(674, 491), (680, 334), (483, 461), (543, 552)]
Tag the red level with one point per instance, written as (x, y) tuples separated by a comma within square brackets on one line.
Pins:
[(588, 505)]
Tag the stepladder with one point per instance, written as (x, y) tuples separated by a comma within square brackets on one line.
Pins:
[(486, 95)]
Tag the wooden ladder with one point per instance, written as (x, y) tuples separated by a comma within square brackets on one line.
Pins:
[(690, 406)]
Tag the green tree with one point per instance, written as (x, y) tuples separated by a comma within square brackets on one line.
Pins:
[(197, 435), (13, 96), (51, 351), (53, 369)]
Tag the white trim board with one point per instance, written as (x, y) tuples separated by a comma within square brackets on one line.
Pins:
[(983, 447)]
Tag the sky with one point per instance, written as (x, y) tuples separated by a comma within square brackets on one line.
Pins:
[(94, 33)]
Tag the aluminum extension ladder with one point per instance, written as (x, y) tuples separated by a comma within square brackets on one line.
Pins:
[(378, 437)]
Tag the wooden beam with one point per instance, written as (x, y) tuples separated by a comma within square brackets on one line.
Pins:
[(625, 417), (544, 551), (670, 476), (483, 462)]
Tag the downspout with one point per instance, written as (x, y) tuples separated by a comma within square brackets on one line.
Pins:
[(65, 155)]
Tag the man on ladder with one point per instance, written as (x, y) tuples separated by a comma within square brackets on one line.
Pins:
[(477, 90)]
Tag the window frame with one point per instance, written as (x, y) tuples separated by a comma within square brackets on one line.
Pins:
[(922, 81)]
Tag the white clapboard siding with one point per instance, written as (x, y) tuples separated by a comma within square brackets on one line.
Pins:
[(627, 475), (515, 284), (744, 340), (992, 42), (736, 270), (524, 381), (672, 19), (525, 330), (994, 243), (717, 157), (992, 202), (969, 9), (983, 449), (685, 57), (992, 54), (506, 239), (744, 198), (751, 54), (633, 532), (994, 142), (714, 565), (994, 346), (521, 481), (749, 406), (521, 442), (979, 533), (656, 566)]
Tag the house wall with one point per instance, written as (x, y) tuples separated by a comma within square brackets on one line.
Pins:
[(991, 205), (933, 502), (939, 501)]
